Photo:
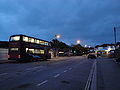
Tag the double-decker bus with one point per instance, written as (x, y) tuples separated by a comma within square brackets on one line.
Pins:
[(22, 47)]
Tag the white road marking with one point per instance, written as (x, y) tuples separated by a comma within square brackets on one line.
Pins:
[(33, 68), (70, 68), (3, 73), (57, 75), (91, 78), (42, 83), (65, 70)]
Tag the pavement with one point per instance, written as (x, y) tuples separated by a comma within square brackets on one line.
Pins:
[(108, 74)]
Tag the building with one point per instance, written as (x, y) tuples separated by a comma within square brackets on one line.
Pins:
[(104, 49), (4, 45)]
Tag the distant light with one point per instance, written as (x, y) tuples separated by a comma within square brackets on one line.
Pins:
[(57, 36), (78, 41), (61, 52), (74, 51), (85, 45)]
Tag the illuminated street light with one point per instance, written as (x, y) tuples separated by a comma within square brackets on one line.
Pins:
[(85, 45), (57, 36), (89, 46), (78, 41)]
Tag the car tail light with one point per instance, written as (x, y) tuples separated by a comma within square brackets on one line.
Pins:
[(18, 56)]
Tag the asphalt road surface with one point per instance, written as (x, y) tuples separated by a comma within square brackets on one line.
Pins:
[(68, 74)]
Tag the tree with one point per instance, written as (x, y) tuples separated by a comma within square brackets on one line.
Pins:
[(57, 44), (79, 50)]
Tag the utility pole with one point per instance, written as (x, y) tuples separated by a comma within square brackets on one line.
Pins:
[(115, 37)]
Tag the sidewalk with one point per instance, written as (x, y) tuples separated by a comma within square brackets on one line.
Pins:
[(108, 74)]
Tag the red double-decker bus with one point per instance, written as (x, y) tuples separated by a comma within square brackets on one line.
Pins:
[(22, 47)]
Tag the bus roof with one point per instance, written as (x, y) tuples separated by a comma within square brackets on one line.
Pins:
[(28, 36)]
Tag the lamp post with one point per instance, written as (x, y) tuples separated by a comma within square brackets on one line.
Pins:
[(115, 36), (57, 36)]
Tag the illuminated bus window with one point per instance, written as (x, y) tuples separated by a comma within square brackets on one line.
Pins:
[(14, 49), (37, 51), (27, 50), (15, 38), (31, 50), (37, 41), (31, 40), (42, 52), (42, 42), (25, 39)]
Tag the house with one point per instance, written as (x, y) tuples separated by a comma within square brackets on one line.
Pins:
[(104, 49)]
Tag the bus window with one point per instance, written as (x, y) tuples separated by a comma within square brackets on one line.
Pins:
[(42, 43), (42, 51), (31, 40), (46, 43), (25, 39), (31, 50), (37, 51), (15, 38), (27, 50), (37, 41), (13, 49)]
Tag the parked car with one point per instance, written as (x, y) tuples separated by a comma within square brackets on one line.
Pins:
[(91, 56)]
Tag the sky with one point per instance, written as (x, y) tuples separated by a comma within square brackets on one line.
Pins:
[(90, 21)]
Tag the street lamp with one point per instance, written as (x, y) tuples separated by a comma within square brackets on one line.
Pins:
[(85, 45), (57, 36), (89, 46), (78, 41)]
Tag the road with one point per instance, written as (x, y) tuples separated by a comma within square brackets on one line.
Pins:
[(68, 74)]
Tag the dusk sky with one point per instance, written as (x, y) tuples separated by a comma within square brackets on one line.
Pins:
[(90, 21)]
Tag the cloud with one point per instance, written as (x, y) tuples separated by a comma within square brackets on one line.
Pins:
[(91, 21)]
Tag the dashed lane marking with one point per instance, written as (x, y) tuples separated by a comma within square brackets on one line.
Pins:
[(42, 83), (70, 68), (34, 68), (91, 78), (57, 75), (65, 70)]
